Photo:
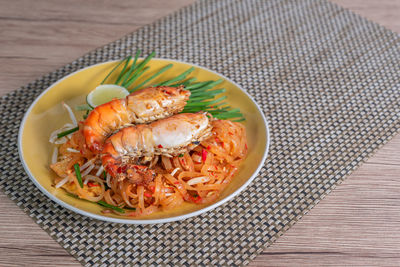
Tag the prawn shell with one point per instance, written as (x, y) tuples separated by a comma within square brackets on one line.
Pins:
[(156, 103), (179, 131), (170, 137), (142, 106), (130, 144)]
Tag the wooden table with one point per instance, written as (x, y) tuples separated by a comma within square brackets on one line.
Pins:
[(357, 224)]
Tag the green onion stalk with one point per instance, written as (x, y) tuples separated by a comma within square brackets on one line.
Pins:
[(204, 95)]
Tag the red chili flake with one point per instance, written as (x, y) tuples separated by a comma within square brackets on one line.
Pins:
[(204, 155), (197, 199), (208, 147), (160, 146), (147, 194), (182, 161), (90, 184), (245, 145), (217, 139), (119, 170), (176, 182), (230, 133), (152, 188)]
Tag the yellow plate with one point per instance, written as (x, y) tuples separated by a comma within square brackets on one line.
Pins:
[(46, 114)]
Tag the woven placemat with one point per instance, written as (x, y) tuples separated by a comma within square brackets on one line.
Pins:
[(327, 81)]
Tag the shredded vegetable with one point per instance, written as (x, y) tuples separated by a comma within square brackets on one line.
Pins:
[(78, 174)]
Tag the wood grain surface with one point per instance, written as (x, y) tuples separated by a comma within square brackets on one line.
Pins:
[(357, 224)]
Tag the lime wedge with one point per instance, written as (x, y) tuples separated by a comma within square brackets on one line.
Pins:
[(105, 93)]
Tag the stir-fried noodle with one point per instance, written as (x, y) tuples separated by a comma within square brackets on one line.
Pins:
[(197, 176)]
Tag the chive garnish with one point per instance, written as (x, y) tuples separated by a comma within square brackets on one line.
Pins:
[(105, 204), (204, 104), (86, 115), (108, 75), (177, 78), (197, 85), (139, 67), (83, 107), (74, 196), (67, 132), (204, 95), (185, 83), (198, 98), (132, 68), (78, 174), (208, 93), (121, 74), (135, 76), (101, 203), (207, 86), (228, 115), (152, 77), (105, 179)]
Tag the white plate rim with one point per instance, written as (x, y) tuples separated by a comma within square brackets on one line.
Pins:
[(142, 221)]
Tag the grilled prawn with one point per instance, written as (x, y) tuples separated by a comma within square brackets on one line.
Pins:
[(142, 106), (125, 152)]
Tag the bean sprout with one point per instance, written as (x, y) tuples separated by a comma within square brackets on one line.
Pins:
[(197, 180), (54, 156), (62, 182)]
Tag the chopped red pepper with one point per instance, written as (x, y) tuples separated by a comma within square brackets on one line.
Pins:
[(160, 146), (166, 92), (197, 199), (182, 161), (147, 194), (90, 184), (122, 169), (204, 155)]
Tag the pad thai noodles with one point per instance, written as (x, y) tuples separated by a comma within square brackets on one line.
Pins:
[(139, 155)]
